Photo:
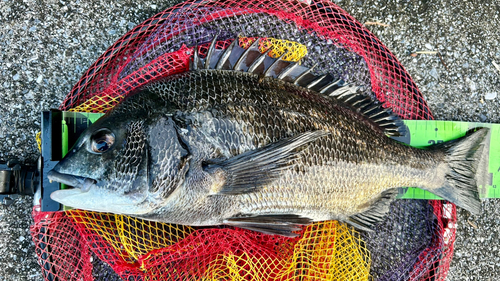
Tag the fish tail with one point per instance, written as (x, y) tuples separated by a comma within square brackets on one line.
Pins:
[(462, 157)]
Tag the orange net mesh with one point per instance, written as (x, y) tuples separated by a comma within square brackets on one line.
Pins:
[(70, 244)]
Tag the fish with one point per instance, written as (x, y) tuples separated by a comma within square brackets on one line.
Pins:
[(246, 140)]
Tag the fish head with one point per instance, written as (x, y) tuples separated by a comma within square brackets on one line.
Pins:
[(108, 167)]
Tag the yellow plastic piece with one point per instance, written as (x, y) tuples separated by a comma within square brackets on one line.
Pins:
[(277, 47), (39, 140)]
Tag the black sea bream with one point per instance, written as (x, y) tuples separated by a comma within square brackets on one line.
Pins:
[(246, 140)]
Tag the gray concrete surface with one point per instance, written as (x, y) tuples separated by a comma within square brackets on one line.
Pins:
[(47, 45)]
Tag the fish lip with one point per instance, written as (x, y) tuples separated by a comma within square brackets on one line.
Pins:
[(83, 183)]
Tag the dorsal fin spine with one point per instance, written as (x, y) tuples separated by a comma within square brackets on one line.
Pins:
[(329, 85), (296, 81), (316, 81), (223, 58), (358, 103), (389, 117), (341, 91), (384, 118), (257, 62), (370, 109), (349, 98), (377, 114), (244, 55), (194, 62), (211, 49), (287, 70), (268, 70)]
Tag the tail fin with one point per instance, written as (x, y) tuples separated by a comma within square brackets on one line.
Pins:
[(463, 156)]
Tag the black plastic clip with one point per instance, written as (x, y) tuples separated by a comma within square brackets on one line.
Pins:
[(17, 179)]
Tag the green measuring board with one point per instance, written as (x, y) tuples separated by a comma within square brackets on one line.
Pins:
[(421, 133)]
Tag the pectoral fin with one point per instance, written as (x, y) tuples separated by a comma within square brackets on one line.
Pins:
[(253, 169), (284, 225)]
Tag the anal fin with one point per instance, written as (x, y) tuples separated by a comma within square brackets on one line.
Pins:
[(375, 213), (285, 224)]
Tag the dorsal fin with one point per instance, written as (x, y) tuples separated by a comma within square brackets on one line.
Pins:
[(252, 60), (358, 99)]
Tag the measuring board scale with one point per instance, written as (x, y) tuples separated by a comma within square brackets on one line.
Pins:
[(420, 133)]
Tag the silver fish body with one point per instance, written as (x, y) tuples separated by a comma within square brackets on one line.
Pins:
[(212, 147)]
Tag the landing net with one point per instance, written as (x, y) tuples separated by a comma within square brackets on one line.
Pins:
[(415, 242)]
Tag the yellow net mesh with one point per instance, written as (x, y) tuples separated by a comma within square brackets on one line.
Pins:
[(98, 104), (130, 237), (327, 251), (277, 47), (104, 225), (140, 237)]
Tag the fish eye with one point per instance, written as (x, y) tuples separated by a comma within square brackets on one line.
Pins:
[(102, 140)]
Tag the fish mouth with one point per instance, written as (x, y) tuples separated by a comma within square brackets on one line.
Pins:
[(83, 183)]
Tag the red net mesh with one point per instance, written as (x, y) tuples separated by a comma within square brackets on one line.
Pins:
[(61, 250), (414, 242), (326, 29)]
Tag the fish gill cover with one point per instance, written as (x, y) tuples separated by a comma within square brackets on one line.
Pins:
[(415, 242)]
